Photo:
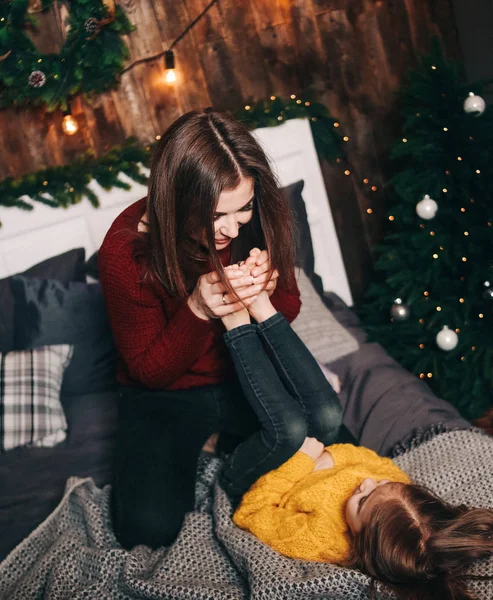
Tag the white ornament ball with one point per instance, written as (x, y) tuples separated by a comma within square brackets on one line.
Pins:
[(475, 104), (447, 339), (427, 208)]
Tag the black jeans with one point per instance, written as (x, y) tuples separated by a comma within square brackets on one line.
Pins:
[(279, 397), (287, 391)]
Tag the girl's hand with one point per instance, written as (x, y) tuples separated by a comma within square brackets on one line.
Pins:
[(312, 448), (259, 265), (210, 299), (324, 461)]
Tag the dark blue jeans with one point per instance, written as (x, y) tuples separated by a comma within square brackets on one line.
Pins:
[(289, 394), (279, 396)]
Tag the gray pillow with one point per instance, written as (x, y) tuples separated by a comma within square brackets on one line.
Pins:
[(324, 336)]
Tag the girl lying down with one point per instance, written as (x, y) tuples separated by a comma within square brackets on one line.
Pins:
[(331, 502)]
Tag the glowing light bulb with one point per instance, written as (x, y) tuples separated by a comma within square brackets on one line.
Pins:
[(170, 76), (169, 63), (69, 125)]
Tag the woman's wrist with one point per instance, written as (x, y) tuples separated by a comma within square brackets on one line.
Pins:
[(194, 306)]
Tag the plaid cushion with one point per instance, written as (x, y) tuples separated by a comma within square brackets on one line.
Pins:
[(30, 409)]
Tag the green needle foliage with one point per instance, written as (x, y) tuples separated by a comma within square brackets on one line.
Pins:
[(439, 267), (89, 62), (63, 186), (275, 111)]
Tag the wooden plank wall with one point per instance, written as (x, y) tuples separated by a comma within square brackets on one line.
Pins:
[(352, 53)]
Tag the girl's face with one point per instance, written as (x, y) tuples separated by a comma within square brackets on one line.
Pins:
[(364, 498), (233, 210)]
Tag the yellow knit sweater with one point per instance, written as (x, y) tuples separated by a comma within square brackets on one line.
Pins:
[(300, 512)]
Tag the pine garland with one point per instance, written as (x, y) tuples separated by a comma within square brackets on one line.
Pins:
[(67, 185), (275, 111), (89, 62), (61, 187)]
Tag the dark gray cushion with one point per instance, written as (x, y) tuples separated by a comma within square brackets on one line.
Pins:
[(50, 312), (68, 266)]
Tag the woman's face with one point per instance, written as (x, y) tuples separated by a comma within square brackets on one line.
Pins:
[(364, 498), (233, 210)]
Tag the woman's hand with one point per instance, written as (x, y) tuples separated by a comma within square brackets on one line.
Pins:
[(312, 448), (258, 264), (211, 300)]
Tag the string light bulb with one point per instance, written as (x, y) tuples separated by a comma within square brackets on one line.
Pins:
[(169, 63), (69, 124)]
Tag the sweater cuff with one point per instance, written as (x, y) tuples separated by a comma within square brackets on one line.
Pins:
[(286, 302), (299, 465)]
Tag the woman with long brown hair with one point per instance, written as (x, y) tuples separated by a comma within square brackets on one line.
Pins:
[(170, 271)]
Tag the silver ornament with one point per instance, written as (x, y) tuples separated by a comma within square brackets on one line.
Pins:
[(400, 311), (447, 339), (427, 208), (474, 104)]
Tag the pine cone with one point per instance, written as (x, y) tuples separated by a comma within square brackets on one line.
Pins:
[(37, 79)]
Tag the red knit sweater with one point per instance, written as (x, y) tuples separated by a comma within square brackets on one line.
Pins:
[(161, 343)]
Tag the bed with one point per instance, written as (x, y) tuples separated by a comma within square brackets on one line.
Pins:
[(33, 479)]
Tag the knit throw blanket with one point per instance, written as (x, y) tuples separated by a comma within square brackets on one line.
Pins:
[(74, 553)]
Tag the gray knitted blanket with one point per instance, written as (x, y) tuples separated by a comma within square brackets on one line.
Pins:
[(75, 555)]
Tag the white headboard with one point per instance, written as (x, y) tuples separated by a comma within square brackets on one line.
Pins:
[(27, 238)]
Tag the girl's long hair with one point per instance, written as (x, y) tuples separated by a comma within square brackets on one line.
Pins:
[(202, 154), (421, 546)]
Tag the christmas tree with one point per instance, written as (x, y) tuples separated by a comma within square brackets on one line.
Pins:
[(431, 300)]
